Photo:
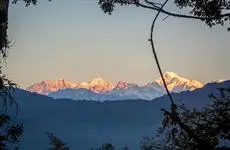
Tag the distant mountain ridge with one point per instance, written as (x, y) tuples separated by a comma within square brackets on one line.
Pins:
[(101, 89), (86, 124)]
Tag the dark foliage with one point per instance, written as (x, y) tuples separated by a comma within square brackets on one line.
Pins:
[(10, 134), (27, 2), (105, 146), (210, 127), (208, 9), (56, 143), (212, 12), (4, 42)]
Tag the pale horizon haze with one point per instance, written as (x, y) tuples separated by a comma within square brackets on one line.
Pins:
[(75, 40)]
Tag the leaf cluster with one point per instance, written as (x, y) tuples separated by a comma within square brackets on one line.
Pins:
[(210, 9), (10, 134), (27, 2)]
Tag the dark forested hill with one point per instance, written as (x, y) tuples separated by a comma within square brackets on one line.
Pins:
[(86, 124)]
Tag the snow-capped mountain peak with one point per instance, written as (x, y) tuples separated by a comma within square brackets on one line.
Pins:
[(176, 83), (47, 86), (99, 85), (97, 81), (170, 75), (219, 81)]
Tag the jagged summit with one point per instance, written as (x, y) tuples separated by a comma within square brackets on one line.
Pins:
[(170, 74), (47, 86), (177, 83)]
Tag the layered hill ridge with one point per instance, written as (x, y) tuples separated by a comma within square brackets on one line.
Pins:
[(102, 89), (86, 124)]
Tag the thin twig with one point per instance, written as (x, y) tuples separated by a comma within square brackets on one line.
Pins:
[(165, 18)]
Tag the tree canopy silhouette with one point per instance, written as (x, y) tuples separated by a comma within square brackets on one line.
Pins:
[(210, 126), (212, 12), (10, 133)]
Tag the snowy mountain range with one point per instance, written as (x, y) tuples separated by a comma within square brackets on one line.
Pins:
[(100, 89)]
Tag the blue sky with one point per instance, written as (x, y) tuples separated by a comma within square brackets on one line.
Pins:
[(76, 40)]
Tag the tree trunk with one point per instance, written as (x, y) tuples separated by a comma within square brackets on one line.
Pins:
[(4, 6)]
